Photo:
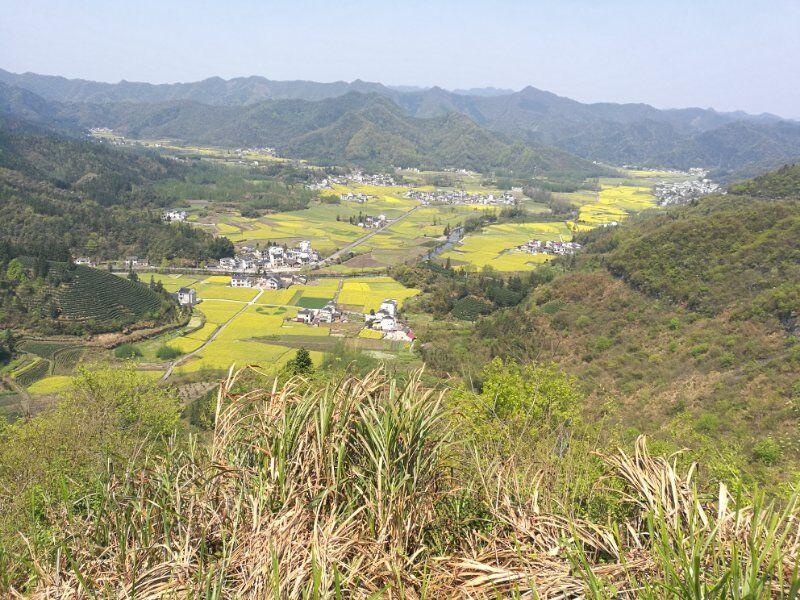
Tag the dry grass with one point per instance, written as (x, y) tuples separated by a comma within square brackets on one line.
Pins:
[(334, 493)]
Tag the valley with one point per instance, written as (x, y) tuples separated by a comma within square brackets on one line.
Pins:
[(295, 339)]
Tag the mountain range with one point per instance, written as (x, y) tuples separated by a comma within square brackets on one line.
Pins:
[(373, 124)]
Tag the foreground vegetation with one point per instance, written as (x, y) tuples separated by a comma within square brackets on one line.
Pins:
[(369, 487)]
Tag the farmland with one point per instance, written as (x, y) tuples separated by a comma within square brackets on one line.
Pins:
[(250, 326), (613, 201)]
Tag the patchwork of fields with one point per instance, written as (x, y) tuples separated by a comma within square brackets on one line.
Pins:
[(616, 199), (248, 326)]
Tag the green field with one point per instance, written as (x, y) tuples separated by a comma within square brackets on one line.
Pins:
[(264, 334), (616, 199), (494, 246)]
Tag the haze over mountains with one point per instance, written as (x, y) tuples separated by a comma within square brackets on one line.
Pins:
[(529, 131)]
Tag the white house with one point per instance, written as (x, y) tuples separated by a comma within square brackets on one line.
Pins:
[(389, 307), (187, 296), (268, 282), (388, 324), (241, 281), (174, 215), (305, 315), (227, 263)]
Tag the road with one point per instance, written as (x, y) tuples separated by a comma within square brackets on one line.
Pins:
[(212, 337), (333, 257)]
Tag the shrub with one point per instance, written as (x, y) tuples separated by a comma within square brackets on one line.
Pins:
[(767, 451), (127, 351), (166, 352)]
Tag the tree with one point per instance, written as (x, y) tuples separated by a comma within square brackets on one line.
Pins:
[(15, 271), (301, 364), (132, 275)]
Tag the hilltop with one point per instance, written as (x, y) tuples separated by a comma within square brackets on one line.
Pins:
[(731, 143), (369, 130)]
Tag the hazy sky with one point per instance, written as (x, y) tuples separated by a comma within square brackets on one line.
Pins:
[(727, 54)]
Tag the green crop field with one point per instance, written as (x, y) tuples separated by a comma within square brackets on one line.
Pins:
[(494, 245), (363, 294)]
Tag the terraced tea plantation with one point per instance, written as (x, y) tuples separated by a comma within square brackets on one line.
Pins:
[(93, 294)]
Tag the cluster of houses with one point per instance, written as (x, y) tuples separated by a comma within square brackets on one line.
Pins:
[(314, 316), (460, 197), (683, 192), (253, 260), (358, 197), (369, 222), (385, 320), (264, 281), (134, 262), (174, 215), (549, 247), (356, 177)]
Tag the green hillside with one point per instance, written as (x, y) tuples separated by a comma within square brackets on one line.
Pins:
[(783, 183), (364, 129), (682, 325), (53, 297)]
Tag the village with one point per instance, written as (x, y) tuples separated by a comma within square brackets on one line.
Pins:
[(274, 257), (684, 192), (354, 178), (556, 248), (460, 197), (385, 322)]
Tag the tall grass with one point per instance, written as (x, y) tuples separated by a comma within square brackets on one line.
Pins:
[(358, 490)]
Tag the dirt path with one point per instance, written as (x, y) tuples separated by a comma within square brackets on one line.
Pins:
[(211, 338), (361, 240)]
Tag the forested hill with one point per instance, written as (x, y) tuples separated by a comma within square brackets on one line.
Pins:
[(783, 183), (731, 143), (684, 325), (101, 173), (364, 129), (63, 196)]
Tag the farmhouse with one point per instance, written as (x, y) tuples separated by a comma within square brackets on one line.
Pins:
[(268, 282), (186, 296), (86, 262), (549, 247), (239, 280), (174, 215), (389, 307), (314, 316)]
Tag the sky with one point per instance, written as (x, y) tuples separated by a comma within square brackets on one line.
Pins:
[(725, 54)]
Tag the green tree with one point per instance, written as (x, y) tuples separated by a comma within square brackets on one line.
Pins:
[(15, 271), (301, 364)]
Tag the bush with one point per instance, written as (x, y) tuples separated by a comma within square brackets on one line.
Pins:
[(767, 451), (127, 351), (166, 352)]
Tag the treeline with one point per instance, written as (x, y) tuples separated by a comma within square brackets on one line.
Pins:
[(467, 295), (251, 190)]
